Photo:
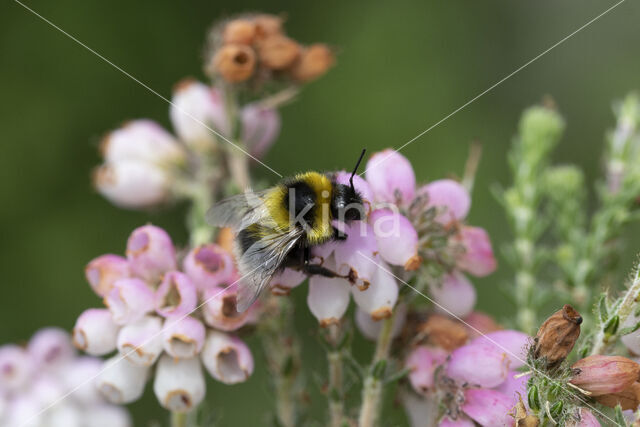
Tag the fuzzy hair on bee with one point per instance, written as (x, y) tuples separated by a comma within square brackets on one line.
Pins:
[(276, 228)]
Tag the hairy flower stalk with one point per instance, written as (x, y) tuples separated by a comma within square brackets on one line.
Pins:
[(539, 131), (373, 383), (334, 358)]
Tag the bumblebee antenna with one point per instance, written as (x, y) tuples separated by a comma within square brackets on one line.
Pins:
[(356, 168)]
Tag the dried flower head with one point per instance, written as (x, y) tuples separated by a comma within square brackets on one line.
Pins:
[(235, 62), (278, 52), (444, 332), (627, 399), (556, 337), (314, 61), (601, 374)]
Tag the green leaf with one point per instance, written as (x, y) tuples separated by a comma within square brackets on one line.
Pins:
[(533, 398), (620, 420), (611, 327), (379, 368), (602, 308), (397, 375), (629, 329), (556, 409)]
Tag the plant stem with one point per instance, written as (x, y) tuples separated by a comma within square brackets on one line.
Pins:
[(336, 397), (603, 340), (178, 419), (238, 161), (372, 392)]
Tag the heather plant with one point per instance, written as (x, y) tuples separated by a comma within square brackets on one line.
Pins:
[(167, 312)]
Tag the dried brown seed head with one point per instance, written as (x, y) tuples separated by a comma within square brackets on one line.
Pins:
[(444, 332), (240, 31), (235, 62), (557, 336), (627, 399), (278, 52), (313, 63), (267, 25)]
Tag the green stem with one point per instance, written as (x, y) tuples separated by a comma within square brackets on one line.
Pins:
[(178, 419), (238, 160), (604, 340), (336, 397), (373, 383)]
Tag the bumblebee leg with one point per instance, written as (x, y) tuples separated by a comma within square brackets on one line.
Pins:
[(339, 235), (315, 269)]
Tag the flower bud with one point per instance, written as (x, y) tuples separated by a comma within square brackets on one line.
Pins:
[(371, 328), (455, 295), (488, 407), (477, 258), (378, 299), (422, 362), (103, 271), (221, 310), (328, 299), (282, 283), (142, 141), (235, 62), (585, 418), (195, 107), (141, 342), (557, 335), (15, 367), (450, 197), (120, 381), (628, 399), (133, 185), (240, 31), (129, 300), (278, 52), (600, 374), (227, 358), (397, 239), (444, 332), (176, 295), (179, 384), (208, 266), (108, 416), (513, 343), (479, 364), (539, 128), (183, 337), (480, 323), (50, 347), (260, 128), (314, 61), (151, 253), (391, 177), (95, 332)]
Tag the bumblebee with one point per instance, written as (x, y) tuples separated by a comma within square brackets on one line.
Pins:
[(277, 227)]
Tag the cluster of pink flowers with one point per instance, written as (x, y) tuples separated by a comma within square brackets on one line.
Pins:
[(395, 236), (164, 319), (43, 384), (144, 165)]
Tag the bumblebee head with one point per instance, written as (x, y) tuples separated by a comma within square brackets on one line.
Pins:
[(347, 202)]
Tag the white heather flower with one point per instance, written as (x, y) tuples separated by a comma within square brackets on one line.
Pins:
[(103, 271), (24, 411), (378, 299), (141, 342), (176, 295), (15, 367), (142, 141), (282, 283), (120, 381), (76, 376), (95, 332), (221, 311), (64, 414), (133, 185), (209, 265), (196, 107), (151, 253), (179, 384), (227, 358), (183, 337), (370, 328), (129, 300), (328, 298), (455, 295), (50, 347)]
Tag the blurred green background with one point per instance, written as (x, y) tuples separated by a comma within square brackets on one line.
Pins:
[(402, 66)]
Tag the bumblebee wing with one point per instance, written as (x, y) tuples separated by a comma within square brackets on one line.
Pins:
[(240, 211), (261, 261)]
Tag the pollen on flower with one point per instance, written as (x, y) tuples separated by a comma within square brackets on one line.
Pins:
[(382, 313)]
